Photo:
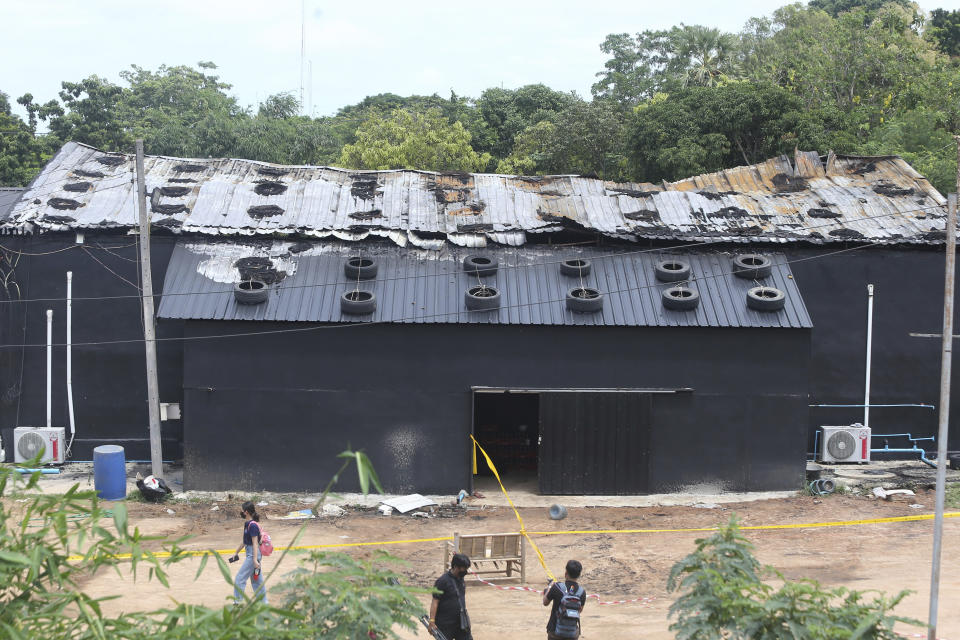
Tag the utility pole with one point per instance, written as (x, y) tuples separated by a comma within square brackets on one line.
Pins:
[(947, 341), (149, 336)]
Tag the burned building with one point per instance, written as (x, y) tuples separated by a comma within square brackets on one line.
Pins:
[(403, 311)]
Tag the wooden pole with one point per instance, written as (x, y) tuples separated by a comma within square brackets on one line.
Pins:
[(944, 431), (149, 335)]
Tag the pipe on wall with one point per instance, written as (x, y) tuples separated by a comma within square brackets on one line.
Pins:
[(49, 366), (73, 426), (866, 393)]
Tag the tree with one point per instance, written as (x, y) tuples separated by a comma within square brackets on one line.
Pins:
[(826, 60), (722, 595), (411, 140), (836, 7), (279, 106), (507, 112), (918, 137), (943, 28), (22, 153), (704, 129), (663, 61), (584, 138)]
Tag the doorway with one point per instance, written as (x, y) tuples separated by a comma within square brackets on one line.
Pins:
[(506, 424)]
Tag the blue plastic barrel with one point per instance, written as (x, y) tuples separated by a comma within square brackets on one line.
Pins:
[(110, 472)]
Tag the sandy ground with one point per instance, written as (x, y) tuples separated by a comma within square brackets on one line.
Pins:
[(887, 557)]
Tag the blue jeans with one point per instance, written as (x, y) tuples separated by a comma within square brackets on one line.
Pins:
[(246, 572)]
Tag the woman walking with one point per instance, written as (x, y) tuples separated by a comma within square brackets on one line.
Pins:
[(250, 569)]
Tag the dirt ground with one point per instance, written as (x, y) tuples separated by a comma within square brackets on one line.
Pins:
[(888, 557)]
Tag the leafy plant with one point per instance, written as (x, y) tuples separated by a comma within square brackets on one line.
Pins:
[(50, 543), (722, 595)]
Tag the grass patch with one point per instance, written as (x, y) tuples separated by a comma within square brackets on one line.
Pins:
[(952, 495)]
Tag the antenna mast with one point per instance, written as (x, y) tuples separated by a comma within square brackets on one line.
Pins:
[(303, 46)]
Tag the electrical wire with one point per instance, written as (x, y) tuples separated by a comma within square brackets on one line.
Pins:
[(405, 319), (701, 243)]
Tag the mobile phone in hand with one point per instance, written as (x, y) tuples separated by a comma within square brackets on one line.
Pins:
[(233, 558)]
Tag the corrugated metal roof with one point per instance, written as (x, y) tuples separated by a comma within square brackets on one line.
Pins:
[(421, 286), (840, 198), (9, 197)]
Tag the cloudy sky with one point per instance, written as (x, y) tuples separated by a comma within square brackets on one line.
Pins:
[(355, 48)]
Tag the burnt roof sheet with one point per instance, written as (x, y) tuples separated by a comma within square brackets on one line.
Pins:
[(8, 198), (806, 198), (421, 286)]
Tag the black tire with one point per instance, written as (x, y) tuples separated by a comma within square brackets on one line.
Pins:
[(954, 459), (766, 299), (672, 270), (251, 292), (680, 298), (575, 267), (480, 265), (584, 300), (360, 267), (358, 303), (482, 298), (752, 266)]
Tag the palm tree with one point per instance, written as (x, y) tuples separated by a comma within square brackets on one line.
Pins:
[(703, 55)]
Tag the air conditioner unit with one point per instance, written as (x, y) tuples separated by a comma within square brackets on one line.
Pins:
[(845, 444), (29, 441)]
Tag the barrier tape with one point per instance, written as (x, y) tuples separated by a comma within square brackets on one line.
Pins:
[(644, 601), (523, 530), (765, 527)]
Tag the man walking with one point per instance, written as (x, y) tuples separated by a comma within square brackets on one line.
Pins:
[(568, 599), (448, 610)]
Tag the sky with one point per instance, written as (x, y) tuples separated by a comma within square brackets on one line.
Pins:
[(353, 49)]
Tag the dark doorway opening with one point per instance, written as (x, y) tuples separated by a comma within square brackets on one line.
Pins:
[(507, 426)]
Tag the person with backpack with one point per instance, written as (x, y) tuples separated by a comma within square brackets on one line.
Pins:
[(253, 537), (568, 599), (448, 609)]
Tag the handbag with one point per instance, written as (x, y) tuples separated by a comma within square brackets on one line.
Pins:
[(464, 620)]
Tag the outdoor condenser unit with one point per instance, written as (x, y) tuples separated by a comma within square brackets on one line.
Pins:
[(845, 444), (28, 442)]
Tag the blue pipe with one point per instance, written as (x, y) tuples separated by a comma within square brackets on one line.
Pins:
[(46, 472), (135, 461)]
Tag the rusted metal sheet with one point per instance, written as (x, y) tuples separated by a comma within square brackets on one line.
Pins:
[(425, 286), (804, 198)]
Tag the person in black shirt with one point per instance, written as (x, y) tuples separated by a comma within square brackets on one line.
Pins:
[(448, 610), (553, 593)]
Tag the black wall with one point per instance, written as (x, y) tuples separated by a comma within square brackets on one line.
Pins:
[(109, 381), (272, 411), (908, 298)]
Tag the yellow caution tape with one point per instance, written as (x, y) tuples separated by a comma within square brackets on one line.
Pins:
[(523, 529), (767, 527)]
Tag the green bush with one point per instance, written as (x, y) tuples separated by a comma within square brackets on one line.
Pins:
[(723, 596)]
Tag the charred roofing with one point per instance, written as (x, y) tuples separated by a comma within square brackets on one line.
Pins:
[(805, 198)]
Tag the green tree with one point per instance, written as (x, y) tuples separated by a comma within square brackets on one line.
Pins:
[(507, 112), (836, 7), (918, 137), (22, 153), (279, 106), (722, 596), (943, 28), (704, 129), (412, 140), (584, 138), (838, 61)]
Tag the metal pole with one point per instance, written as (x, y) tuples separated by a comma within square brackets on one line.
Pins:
[(149, 342), (945, 363), (73, 426), (866, 393), (49, 367)]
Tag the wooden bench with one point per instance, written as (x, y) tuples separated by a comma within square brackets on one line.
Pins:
[(498, 555)]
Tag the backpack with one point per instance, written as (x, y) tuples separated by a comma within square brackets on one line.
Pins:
[(568, 611), (266, 542)]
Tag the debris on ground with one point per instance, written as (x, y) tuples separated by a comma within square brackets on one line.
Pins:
[(333, 510), (385, 509), (403, 504), (302, 514)]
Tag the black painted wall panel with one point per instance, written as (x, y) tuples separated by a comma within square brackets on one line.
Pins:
[(403, 393), (109, 381), (908, 297)]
